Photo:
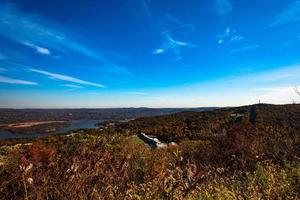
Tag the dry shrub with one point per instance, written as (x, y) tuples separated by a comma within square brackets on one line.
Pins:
[(39, 152), (122, 167)]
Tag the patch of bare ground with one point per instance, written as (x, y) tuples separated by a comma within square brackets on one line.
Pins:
[(29, 124)]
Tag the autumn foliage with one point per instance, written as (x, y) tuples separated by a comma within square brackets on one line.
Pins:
[(239, 159)]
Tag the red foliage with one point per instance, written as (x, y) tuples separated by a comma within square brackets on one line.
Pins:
[(39, 152)]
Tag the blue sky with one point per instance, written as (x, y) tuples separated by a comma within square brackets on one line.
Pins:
[(56, 54)]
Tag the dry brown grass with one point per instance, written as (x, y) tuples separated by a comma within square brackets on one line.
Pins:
[(123, 167)]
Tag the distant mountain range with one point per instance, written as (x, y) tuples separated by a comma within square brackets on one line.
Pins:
[(22, 115)]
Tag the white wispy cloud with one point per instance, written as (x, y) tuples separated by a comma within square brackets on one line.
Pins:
[(223, 7), (171, 44), (20, 26), (8, 80), (236, 38), (40, 50), (289, 14), (72, 86), (227, 31), (43, 35), (66, 78), (224, 36), (158, 51), (180, 43), (229, 35)]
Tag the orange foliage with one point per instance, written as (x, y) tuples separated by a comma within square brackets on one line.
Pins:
[(39, 152)]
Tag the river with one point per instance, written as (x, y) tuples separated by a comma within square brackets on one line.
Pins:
[(75, 124)]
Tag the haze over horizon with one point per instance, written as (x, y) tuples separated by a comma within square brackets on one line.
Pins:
[(148, 53)]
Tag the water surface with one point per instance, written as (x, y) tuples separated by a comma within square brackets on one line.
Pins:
[(75, 124)]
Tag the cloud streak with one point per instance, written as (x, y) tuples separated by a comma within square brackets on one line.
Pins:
[(158, 51), (229, 35), (66, 78), (290, 14), (19, 27), (72, 86), (236, 38), (40, 50), (42, 35), (170, 44), (8, 80)]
